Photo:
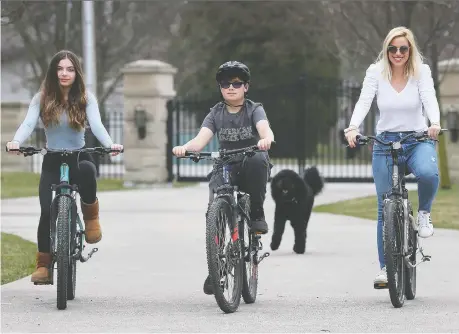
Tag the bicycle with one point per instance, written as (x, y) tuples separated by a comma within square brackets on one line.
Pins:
[(401, 242), (66, 227), (243, 244)]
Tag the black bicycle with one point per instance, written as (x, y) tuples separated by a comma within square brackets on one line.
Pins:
[(229, 240), (400, 237), (66, 227)]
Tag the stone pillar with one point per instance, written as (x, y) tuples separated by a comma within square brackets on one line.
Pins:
[(13, 114), (449, 97), (148, 85)]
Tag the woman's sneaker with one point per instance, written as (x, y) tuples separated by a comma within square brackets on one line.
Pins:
[(380, 282), (424, 222)]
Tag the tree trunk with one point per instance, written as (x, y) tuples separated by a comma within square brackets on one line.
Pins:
[(445, 181)]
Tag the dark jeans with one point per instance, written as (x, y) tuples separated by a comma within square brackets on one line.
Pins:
[(251, 177), (84, 177)]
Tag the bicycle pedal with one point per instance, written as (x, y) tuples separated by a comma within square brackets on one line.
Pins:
[(379, 286), (261, 258)]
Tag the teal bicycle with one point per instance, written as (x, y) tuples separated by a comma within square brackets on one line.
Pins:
[(67, 235)]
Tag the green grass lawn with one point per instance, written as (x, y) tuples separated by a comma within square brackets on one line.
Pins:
[(445, 209), (18, 257)]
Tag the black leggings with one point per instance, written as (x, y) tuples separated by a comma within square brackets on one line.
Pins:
[(84, 177), (251, 178)]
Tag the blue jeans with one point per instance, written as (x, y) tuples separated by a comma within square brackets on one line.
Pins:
[(421, 160)]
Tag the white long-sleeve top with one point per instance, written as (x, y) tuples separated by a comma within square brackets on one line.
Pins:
[(398, 111)]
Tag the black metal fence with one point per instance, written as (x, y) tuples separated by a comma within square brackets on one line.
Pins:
[(307, 117), (108, 167)]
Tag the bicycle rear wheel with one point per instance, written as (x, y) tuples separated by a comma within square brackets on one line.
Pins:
[(63, 250), (393, 251), (223, 256), (249, 255), (410, 273)]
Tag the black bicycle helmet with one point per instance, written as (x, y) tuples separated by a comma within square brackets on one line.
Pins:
[(232, 69)]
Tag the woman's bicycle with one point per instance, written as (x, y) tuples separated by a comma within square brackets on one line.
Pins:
[(400, 237), (230, 243), (66, 228)]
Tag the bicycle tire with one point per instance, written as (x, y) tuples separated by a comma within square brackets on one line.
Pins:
[(71, 284), (63, 250), (213, 226), (250, 265), (410, 273), (393, 249)]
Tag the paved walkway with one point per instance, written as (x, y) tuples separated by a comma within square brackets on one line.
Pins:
[(148, 274)]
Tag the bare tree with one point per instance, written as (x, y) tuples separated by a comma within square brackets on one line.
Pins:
[(125, 31), (360, 27)]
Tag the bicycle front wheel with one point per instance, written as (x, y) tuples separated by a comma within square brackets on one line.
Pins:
[(410, 273), (63, 250), (74, 245), (393, 251), (249, 255), (223, 256)]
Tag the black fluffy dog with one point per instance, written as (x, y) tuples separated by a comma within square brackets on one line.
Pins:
[(294, 198)]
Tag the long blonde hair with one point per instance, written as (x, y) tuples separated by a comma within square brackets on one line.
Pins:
[(415, 59)]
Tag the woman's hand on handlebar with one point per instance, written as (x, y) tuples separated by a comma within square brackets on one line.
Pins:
[(433, 131), (351, 136), (179, 151)]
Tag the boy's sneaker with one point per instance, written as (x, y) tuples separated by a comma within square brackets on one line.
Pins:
[(258, 222), (424, 223)]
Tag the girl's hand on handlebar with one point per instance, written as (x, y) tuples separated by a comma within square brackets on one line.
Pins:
[(179, 151), (117, 147), (13, 145)]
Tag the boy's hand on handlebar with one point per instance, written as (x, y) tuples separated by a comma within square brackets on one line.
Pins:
[(264, 144), (13, 145), (179, 151), (116, 147), (351, 137), (433, 131)]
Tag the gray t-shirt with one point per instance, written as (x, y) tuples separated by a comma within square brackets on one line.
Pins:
[(236, 130)]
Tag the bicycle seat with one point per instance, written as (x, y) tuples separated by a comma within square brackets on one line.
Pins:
[(407, 171)]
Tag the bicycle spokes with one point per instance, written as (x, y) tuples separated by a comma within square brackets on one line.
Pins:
[(227, 254)]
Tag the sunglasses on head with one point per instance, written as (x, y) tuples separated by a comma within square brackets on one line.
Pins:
[(227, 84), (393, 49)]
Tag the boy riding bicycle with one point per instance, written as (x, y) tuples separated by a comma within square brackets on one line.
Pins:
[(238, 122)]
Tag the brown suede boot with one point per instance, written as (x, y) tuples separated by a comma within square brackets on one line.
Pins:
[(91, 221), (41, 274)]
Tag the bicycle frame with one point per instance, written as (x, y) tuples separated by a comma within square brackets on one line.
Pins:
[(224, 191), (398, 190)]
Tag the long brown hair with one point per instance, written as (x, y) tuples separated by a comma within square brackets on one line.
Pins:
[(52, 101)]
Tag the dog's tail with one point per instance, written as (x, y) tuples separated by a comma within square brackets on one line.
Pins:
[(313, 178)]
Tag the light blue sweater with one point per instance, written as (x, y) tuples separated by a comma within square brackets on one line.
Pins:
[(62, 136)]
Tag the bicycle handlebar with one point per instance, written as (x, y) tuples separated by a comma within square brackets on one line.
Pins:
[(30, 150), (196, 156), (422, 135)]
